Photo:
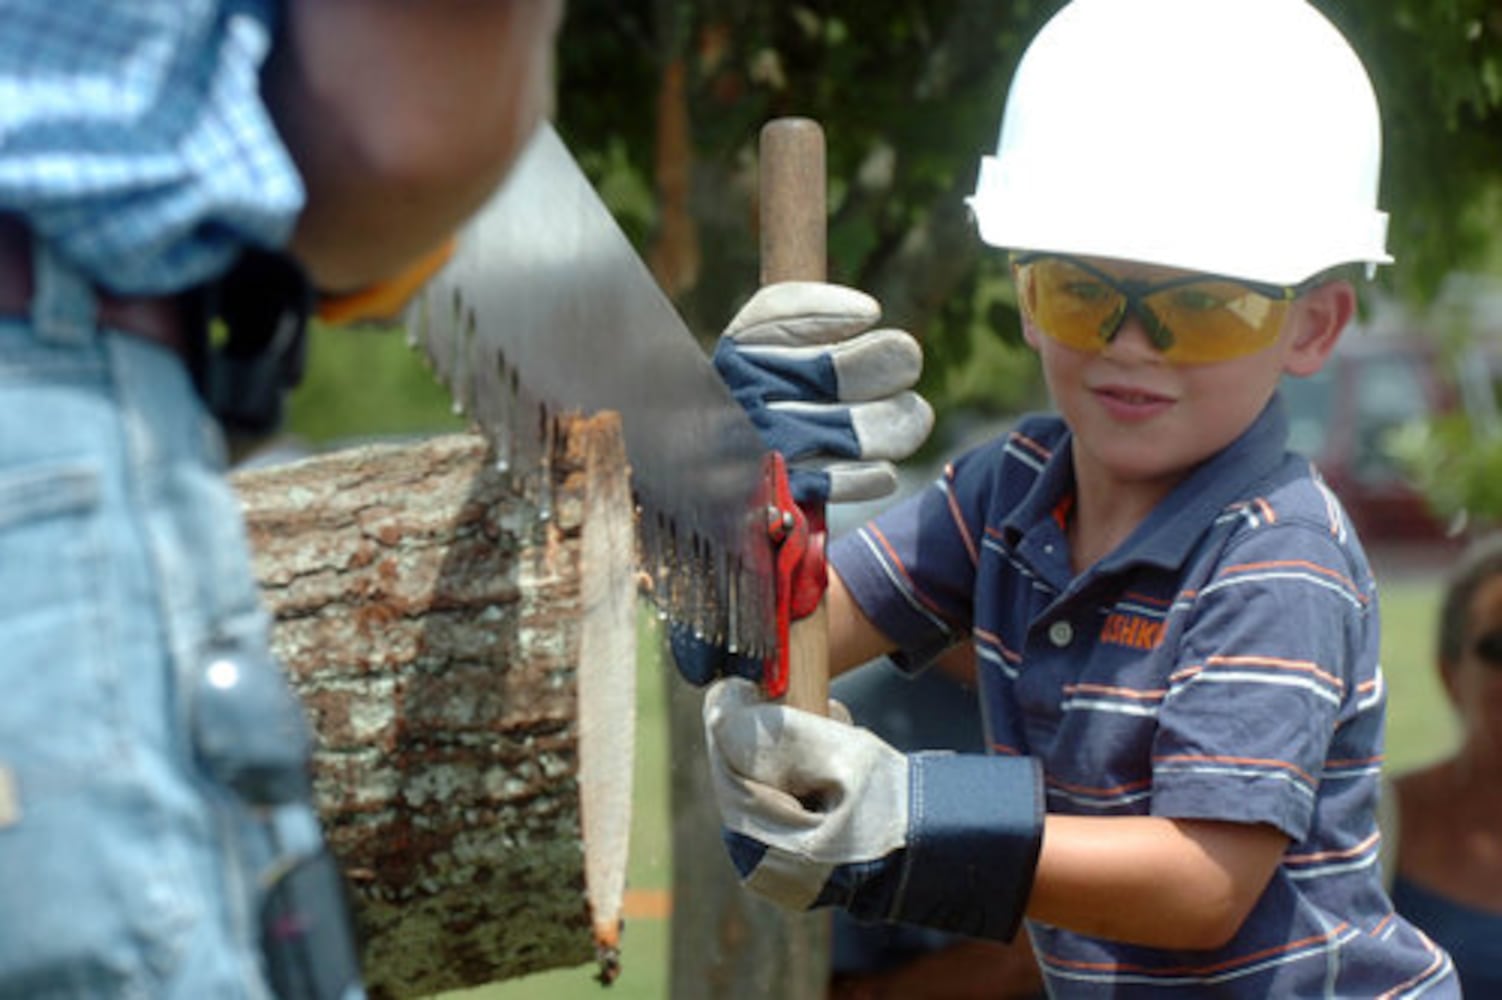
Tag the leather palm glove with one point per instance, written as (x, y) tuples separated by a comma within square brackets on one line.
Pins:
[(818, 812), (826, 388), (833, 393)]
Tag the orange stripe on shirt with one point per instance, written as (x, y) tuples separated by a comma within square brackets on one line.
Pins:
[(896, 563), (1349, 852), (1200, 970), (992, 639), (1356, 762), (1130, 786), (1276, 663), (1433, 967), (1031, 445), (959, 519), (1116, 692), (1296, 564)]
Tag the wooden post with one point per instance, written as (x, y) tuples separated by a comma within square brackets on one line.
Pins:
[(469, 668)]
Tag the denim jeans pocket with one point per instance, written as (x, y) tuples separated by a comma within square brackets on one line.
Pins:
[(55, 661), (85, 909)]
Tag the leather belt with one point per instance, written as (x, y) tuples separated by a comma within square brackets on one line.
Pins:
[(166, 320)]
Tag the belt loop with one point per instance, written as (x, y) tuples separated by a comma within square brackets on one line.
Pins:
[(64, 308)]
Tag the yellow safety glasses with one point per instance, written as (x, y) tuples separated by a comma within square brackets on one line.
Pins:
[(1193, 319)]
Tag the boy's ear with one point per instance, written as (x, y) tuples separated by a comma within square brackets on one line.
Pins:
[(1029, 334), (1318, 317)]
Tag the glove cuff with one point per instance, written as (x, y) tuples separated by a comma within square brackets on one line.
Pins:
[(975, 829)]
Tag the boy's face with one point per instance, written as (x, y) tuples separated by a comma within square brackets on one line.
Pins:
[(1142, 419)]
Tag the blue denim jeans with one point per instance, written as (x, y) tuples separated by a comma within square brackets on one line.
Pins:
[(122, 556)]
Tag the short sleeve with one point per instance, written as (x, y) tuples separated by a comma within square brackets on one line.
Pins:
[(1269, 659), (912, 568)]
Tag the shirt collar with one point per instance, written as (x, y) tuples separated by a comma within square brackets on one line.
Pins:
[(1174, 527)]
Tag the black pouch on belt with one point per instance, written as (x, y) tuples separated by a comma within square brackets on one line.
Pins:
[(257, 345)]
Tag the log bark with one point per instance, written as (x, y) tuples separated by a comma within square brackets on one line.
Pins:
[(464, 643)]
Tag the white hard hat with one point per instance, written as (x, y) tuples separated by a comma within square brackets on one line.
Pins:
[(1234, 137)]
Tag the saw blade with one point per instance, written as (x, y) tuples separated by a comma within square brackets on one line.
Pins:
[(546, 309)]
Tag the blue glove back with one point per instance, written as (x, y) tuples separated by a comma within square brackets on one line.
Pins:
[(826, 390), (701, 661)]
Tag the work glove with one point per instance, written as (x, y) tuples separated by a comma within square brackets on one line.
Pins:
[(833, 394), (818, 812), (825, 389)]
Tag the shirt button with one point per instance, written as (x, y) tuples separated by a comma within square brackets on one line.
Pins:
[(1061, 633)]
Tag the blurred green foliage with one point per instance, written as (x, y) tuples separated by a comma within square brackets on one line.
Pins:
[(911, 95), (366, 383), (662, 101), (1458, 467)]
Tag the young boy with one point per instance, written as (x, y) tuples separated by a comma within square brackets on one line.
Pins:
[(1175, 628)]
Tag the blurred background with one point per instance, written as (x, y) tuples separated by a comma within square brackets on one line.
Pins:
[(662, 100)]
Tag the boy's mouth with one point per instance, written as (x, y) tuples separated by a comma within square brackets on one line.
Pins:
[(1130, 402)]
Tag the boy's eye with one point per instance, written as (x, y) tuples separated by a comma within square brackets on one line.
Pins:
[(1088, 292), (1198, 299)]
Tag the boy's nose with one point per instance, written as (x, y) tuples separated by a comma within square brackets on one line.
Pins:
[(1131, 341)]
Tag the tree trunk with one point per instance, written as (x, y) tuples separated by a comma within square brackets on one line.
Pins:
[(727, 943), (466, 651)]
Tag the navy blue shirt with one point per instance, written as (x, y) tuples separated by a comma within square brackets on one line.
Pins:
[(1221, 664)]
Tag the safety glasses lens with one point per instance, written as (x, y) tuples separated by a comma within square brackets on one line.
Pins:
[(1192, 321), (1074, 306), (1216, 320)]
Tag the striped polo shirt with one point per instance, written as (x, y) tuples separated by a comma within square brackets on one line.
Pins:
[(1221, 664)]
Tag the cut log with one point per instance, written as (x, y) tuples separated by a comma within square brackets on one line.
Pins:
[(466, 653)]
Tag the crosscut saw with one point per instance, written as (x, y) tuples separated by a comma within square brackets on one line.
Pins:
[(546, 309)]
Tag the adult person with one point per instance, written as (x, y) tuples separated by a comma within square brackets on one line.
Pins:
[(1446, 829), (164, 164), (1174, 623)]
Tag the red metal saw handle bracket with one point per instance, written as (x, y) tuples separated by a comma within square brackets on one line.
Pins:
[(800, 575)]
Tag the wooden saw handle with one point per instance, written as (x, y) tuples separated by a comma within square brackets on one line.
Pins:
[(794, 248)]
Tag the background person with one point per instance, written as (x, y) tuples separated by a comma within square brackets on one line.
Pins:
[(1446, 830)]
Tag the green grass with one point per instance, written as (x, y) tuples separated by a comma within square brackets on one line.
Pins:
[(366, 383), (1420, 725)]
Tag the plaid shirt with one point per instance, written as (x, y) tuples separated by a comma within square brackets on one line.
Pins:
[(133, 137)]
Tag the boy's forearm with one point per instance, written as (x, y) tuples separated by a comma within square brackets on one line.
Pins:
[(853, 638), (402, 118), (1152, 881)]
